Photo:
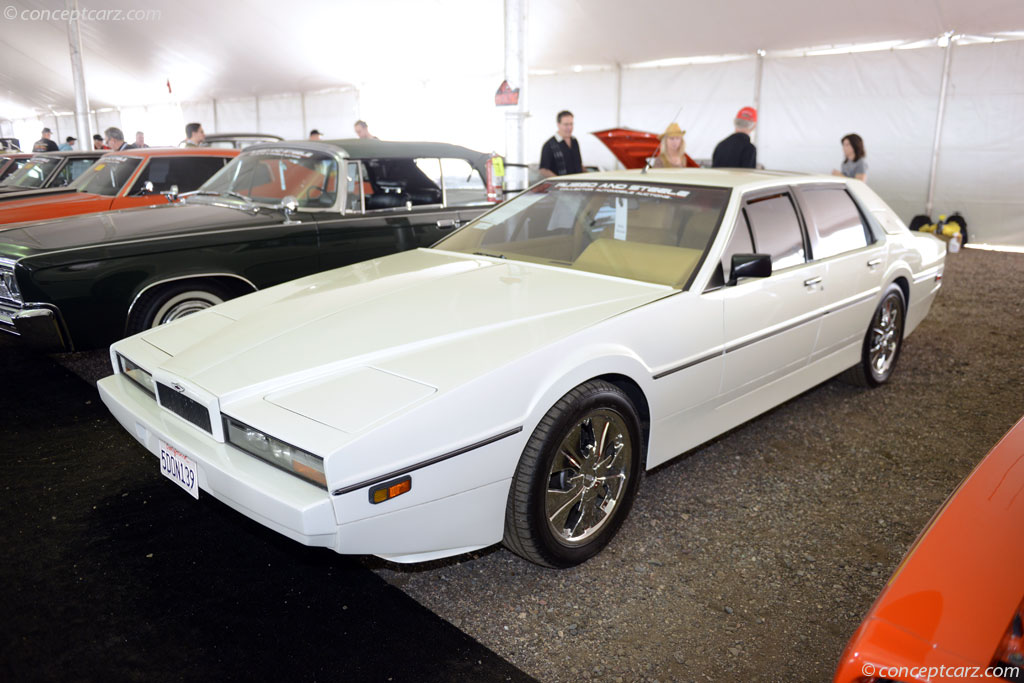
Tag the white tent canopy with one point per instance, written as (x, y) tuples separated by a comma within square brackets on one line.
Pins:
[(429, 69)]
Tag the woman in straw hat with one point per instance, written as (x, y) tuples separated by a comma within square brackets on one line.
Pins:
[(673, 150)]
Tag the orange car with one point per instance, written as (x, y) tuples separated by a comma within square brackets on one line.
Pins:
[(953, 609), (121, 180)]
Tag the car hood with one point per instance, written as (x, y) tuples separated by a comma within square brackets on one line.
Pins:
[(115, 226), (468, 314)]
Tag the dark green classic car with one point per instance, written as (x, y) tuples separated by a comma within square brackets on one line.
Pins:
[(276, 212)]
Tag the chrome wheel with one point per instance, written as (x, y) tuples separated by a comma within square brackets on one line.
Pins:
[(588, 477), (886, 334)]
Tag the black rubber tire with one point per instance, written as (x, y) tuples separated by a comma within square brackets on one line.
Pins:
[(146, 310), (863, 374), (919, 220), (526, 528), (962, 222)]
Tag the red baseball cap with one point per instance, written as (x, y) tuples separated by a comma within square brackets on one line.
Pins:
[(747, 114)]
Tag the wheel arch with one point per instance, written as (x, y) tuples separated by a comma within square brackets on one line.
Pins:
[(229, 280), (638, 398)]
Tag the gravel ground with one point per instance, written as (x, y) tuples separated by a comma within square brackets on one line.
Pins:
[(754, 557)]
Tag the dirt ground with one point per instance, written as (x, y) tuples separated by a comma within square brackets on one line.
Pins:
[(754, 557)]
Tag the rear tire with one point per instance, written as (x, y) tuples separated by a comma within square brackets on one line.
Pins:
[(577, 477), (882, 343), (174, 301)]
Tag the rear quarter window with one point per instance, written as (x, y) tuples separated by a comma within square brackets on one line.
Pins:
[(834, 223)]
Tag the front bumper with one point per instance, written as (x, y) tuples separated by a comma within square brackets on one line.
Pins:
[(437, 527), (39, 326)]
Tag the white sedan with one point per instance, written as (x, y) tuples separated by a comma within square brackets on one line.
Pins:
[(510, 384)]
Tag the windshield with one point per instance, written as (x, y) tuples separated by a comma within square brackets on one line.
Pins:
[(269, 175), (651, 232), (107, 176), (33, 174)]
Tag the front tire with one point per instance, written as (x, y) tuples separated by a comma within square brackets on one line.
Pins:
[(882, 343), (174, 301), (577, 477)]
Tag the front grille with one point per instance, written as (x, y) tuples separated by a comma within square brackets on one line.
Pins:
[(188, 408)]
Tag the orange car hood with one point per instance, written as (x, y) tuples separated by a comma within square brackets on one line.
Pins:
[(55, 205), (959, 586)]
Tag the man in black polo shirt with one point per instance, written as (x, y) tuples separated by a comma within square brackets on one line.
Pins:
[(737, 151), (45, 144), (560, 155)]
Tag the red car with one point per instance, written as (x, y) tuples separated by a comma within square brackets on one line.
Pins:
[(634, 147), (954, 608), (121, 180)]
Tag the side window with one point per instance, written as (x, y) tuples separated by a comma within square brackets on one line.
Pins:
[(739, 243), (188, 173), (834, 221), (78, 167), (462, 183), (402, 182), (776, 230), (355, 187)]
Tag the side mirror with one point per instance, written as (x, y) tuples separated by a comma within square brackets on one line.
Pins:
[(147, 188), (289, 205), (171, 194), (749, 265)]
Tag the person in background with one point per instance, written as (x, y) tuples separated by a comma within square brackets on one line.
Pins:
[(560, 155), (362, 131), (68, 144), (673, 150), (315, 134), (115, 139), (854, 165), (140, 141), (195, 136), (737, 151), (97, 142), (45, 144)]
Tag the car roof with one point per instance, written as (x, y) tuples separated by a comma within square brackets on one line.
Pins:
[(742, 178), (174, 152), (94, 153), (356, 148), (229, 136)]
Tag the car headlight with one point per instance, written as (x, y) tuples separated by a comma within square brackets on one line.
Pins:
[(137, 375), (278, 453), (9, 284)]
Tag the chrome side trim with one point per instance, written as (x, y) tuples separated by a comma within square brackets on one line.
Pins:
[(742, 345), (148, 287), (684, 366), (426, 463)]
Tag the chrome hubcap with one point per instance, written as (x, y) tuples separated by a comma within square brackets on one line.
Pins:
[(588, 477), (886, 330)]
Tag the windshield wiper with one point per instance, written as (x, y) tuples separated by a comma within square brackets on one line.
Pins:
[(481, 253), (210, 193)]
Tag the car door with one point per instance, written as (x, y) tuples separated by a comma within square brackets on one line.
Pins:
[(854, 260), (390, 205), (770, 324)]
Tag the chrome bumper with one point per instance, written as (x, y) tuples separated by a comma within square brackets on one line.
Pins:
[(38, 325)]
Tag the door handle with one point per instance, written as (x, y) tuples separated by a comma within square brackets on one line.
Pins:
[(448, 223), (812, 281), (874, 262)]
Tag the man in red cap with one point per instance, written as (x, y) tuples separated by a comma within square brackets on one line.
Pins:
[(737, 151)]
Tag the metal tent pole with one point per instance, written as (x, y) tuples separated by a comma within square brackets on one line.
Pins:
[(82, 128), (943, 90), (516, 74)]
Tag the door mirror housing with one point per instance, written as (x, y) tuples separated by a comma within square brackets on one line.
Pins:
[(749, 265)]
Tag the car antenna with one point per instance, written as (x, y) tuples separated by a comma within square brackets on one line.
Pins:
[(647, 164)]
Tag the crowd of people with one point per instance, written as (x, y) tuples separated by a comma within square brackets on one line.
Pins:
[(560, 154)]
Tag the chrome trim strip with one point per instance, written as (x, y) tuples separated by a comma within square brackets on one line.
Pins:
[(742, 345), (426, 463), (927, 275), (181, 277), (684, 366), (852, 302)]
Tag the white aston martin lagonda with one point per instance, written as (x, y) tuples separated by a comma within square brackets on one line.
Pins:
[(511, 383)]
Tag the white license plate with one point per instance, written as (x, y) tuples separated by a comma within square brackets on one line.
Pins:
[(179, 468)]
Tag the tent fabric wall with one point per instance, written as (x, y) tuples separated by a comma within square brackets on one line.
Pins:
[(981, 163), (889, 98), (809, 103)]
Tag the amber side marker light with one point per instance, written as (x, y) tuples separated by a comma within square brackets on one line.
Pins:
[(390, 489)]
